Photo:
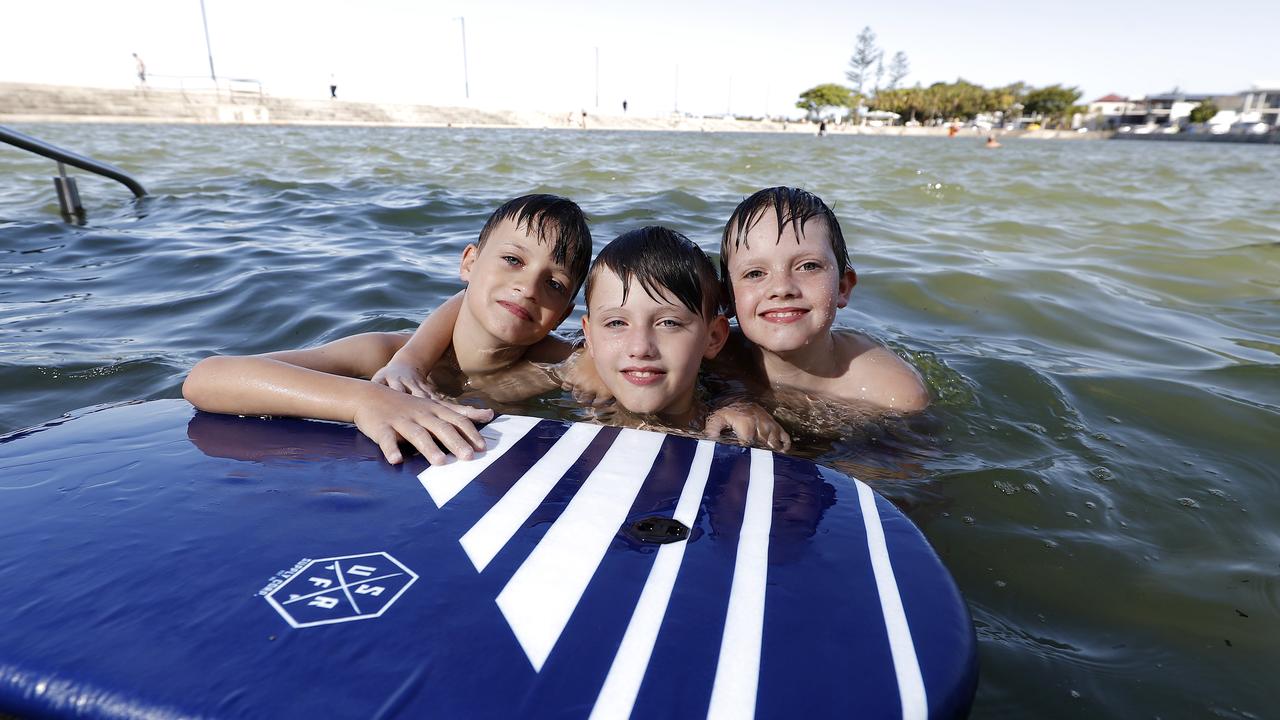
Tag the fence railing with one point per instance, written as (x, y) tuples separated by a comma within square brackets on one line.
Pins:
[(68, 194)]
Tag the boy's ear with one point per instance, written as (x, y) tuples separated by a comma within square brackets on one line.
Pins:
[(586, 335), (717, 335), (847, 281), (469, 255)]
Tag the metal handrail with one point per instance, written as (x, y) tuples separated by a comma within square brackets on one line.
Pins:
[(39, 147)]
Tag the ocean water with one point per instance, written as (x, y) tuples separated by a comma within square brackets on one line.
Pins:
[(1098, 322)]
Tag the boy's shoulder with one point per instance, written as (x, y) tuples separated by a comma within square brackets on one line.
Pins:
[(876, 374)]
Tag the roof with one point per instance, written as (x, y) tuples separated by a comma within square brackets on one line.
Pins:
[(1111, 98)]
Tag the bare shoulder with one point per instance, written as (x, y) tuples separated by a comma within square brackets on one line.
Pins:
[(877, 375)]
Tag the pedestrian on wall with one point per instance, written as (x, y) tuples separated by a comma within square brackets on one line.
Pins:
[(333, 87), (141, 67)]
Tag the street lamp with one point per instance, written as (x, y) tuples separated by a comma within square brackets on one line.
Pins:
[(212, 75), (597, 77), (466, 80)]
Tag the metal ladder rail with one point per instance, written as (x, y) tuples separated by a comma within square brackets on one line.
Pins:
[(68, 195)]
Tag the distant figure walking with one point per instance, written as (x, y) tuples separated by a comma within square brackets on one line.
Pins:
[(624, 107), (584, 119), (822, 128), (992, 142), (142, 68), (333, 87)]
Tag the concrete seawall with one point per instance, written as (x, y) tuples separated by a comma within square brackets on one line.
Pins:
[(24, 102)]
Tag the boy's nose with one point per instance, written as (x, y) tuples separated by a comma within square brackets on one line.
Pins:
[(641, 345), (782, 285)]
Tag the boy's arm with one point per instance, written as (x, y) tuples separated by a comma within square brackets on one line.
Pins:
[(408, 368), (322, 383)]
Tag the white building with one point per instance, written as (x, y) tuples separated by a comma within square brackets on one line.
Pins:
[(1262, 104)]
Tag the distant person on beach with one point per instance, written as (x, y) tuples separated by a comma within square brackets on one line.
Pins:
[(624, 107), (822, 128), (584, 119), (992, 142), (141, 68), (786, 271), (333, 88)]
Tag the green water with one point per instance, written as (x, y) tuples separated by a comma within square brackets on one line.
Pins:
[(1099, 324)]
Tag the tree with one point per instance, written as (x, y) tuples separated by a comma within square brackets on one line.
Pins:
[(898, 69), (865, 56), (827, 95), (1051, 101), (1203, 112)]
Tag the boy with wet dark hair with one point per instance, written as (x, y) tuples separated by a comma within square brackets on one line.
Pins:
[(653, 315), (522, 275), (552, 220), (786, 271)]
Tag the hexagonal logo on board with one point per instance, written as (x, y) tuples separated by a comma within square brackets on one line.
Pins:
[(339, 589)]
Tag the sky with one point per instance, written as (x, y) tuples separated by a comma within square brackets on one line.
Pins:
[(747, 57)]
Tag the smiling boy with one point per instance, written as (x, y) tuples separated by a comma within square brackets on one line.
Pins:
[(522, 274), (653, 315), (786, 272)]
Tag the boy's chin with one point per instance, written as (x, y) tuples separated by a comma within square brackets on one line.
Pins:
[(643, 405)]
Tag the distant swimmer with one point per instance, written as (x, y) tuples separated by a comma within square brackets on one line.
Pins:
[(991, 142), (142, 69)]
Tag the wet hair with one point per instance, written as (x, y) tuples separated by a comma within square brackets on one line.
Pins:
[(791, 205), (545, 215), (665, 263)]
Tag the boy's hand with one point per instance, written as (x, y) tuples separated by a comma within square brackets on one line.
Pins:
[(407, 378), (387, 417), (578, 375), (752, 424)]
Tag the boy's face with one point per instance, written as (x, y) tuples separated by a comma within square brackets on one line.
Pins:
[(515, 290), (786, 293), (648, 351)]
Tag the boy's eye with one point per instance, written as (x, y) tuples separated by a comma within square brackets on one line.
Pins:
[(556, 285), (811, 265), (670, 322), (511, 259), (752, 274), (614, 323)]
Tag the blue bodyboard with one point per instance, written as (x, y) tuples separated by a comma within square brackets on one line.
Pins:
[(158, 562)]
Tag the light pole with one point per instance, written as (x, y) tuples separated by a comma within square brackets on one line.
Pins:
[(675, 96), (597, 77), (466, 80), (212, 75)]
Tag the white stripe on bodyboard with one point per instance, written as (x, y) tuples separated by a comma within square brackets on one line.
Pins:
[(544, 591), (915, 704), (445, 481), (492, 532), (618, 695), (738, 669)]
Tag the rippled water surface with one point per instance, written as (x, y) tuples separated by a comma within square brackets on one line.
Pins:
[(1099, 323)]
